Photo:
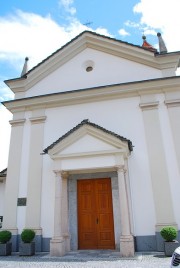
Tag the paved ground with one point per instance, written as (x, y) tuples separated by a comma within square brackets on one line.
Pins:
[(81, 259)]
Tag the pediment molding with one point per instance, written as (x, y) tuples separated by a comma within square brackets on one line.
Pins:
[(94, 41), (99, 142)]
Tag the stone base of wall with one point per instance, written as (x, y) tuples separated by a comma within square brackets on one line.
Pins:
[(142, 243)]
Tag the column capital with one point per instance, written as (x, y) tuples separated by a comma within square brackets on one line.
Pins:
[(62, 173), (17, 122), (57, 172), (149, 105), (121, 168), (38, 120)]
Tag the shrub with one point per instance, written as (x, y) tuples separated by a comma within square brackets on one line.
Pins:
[(5, 236), (169, 233), (27, 235)]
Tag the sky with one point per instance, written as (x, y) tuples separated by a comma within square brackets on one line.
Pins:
[(37, 28)]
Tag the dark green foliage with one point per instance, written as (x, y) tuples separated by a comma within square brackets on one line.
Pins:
[(27, 235), (169, 233), (5, 236)]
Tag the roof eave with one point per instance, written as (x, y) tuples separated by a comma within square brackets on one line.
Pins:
[(16, 84)]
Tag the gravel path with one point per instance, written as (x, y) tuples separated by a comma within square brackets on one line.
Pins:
[(87, 260)]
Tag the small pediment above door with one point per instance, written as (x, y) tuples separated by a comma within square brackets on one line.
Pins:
[(88, 138)]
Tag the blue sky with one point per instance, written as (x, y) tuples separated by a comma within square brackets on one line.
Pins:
[(37, 28)]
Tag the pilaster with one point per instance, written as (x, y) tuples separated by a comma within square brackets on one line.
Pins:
[(158, 166), (60, 243), (12, 179), (65, 221), (33, 210), (126, 239), (174, 116)]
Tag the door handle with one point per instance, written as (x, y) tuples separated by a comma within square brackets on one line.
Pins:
[(97, 220)]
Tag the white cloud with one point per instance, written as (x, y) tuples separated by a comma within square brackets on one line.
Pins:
[(103, 31), (123, 32), (163, 15), (149, 31), (5, 93), (132, 24), (67, 5), (28, 34)]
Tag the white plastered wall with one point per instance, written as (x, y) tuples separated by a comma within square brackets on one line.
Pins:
[(123, 117)]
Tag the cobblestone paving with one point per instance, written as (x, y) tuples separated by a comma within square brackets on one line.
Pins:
[(82, 259)]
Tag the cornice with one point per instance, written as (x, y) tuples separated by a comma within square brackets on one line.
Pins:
[(17, 85), (89, 154), (132, 89)]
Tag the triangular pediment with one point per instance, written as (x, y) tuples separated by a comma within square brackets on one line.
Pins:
[(88, 138), (87, 142), (72, 58), (88, 39)]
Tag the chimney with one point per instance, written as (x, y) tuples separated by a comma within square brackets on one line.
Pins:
[(25, 67), (162, 46)]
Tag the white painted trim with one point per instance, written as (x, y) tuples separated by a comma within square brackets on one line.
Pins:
[(38, 120), (149, 105), (121, 147), (172, 103), (95, 94), (18, 122), (87, 154)]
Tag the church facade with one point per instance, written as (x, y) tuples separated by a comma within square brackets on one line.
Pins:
[(94, 155)]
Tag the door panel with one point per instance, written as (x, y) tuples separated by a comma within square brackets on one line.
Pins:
[(86, 224), (95, 214)]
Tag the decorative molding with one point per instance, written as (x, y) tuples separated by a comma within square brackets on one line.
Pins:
[(91, 154), (149, 105), (64, 174), (38, 120), (119, 145), (57, 172), (21, 201), (99, 43), (100, 93), (87, 40), (121, 168), (61, 173), (17, 122), (172, 103)]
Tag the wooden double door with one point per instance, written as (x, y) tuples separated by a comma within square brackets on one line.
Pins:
[(95, 214)]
